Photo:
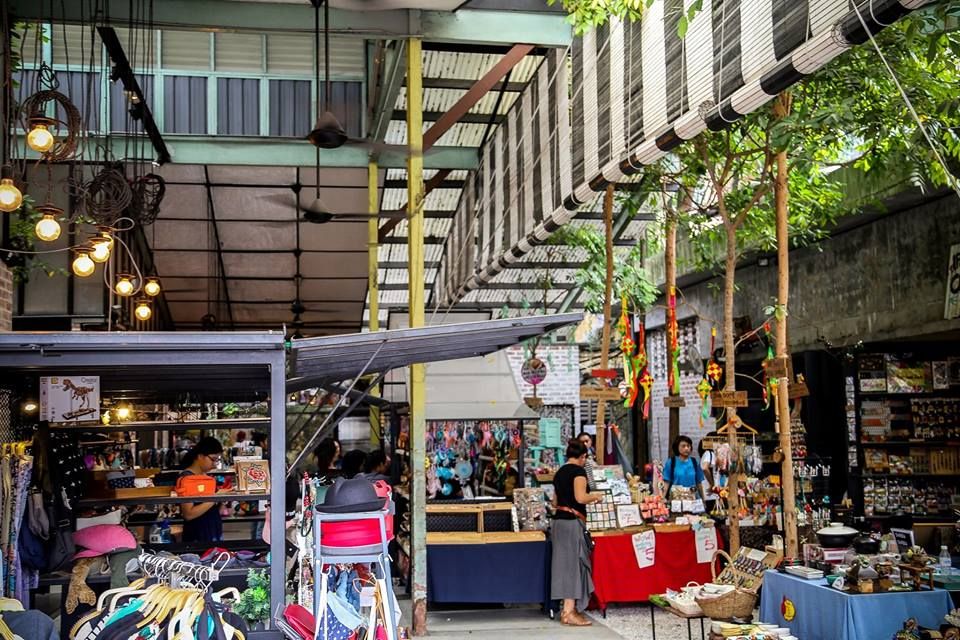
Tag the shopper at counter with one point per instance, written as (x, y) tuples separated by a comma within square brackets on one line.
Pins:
[(328, 455), (571, 578), (202, 521), (681, 469)]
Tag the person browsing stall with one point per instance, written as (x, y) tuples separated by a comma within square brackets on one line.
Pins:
[(681, 469), (571, 566), (202, 522)]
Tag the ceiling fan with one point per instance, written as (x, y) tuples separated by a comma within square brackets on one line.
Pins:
[(316, 212), (328, 133)]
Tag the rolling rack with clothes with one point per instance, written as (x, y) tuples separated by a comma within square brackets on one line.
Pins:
[(172, 600)]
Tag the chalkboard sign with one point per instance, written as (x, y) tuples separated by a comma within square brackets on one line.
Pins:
[(904, 539)]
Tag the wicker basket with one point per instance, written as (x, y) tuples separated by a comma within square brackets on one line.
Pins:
[(738, 603)]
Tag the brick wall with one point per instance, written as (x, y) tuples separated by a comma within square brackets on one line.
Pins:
[(690, 376), (562, 385), (6, 298)]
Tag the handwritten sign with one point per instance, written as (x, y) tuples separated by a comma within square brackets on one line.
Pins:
[(706, 541), (644, 548), (777, 367), (798, 390), (598, 393), (735, 399), (674, 402)]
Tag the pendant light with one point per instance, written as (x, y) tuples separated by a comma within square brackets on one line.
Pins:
[(143, 310), (10, 196), (124, 286), (83, 265), (40, 139), (152, 287), (48, 227), (101, 248)]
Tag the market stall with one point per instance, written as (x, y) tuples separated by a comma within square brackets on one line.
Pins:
[(812, 609)]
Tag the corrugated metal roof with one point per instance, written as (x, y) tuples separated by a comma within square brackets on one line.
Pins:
[(472, 66), (462, 134), (443, 99)]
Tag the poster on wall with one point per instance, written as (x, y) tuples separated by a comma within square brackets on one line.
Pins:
[(70, 398), (952, 307)]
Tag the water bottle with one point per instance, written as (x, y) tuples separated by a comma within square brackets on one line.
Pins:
[(946, 562)]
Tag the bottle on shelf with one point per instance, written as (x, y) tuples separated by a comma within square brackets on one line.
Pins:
[(946, 562)]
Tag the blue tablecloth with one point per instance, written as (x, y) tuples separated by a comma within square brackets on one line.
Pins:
[(509, 572), (822, 613)]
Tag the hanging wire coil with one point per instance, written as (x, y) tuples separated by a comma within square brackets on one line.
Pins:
[(107, 196), (65, 122), (148, 192)]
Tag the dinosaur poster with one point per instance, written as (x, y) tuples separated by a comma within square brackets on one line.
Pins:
[(70, 398)]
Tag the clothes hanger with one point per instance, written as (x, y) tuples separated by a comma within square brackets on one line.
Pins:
[(5, 632), (133, 586)]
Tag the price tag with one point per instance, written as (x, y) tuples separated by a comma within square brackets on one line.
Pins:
[(706, 541), (676, 506), (734, 399), (645, 548), (674, 401)]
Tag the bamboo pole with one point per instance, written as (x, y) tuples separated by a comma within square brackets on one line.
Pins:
[(781, 196), (418, 401), (670, 264), (730, 372), (607, 295)]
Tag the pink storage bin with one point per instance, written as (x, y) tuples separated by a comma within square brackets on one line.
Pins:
[(360, 533)]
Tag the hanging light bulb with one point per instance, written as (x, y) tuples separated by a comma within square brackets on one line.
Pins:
[(48, 229), (143, 310), (101, 248), (40, 139), (123, 412), (124, 286), (30, 406), (83, 266), (152, 287), (39, 136), (10, 197)]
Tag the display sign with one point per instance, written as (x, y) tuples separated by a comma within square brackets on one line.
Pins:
[(70, 398), (550, 433), (644, 548), (798, 390), (706, 541), (534, 371), (777, 367), (735, 399), (952, 307), (904, 539), (674, 402), (609, 374), (599, 393)]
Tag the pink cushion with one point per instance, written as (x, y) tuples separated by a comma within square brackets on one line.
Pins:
[(103, 539)]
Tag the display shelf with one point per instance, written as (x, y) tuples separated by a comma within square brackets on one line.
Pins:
[(908, 476), (911, 443), (190, 425), (226, 520), (218, 497)]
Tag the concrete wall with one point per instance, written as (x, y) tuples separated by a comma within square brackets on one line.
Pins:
[(6, 298)]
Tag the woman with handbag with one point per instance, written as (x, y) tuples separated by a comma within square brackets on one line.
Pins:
[(202, 522), (571, 566)]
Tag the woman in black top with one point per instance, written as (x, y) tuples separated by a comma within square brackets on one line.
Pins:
[(202, 522), (571, 579)]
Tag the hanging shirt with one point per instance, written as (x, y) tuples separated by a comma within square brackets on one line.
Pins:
[(682, 473)]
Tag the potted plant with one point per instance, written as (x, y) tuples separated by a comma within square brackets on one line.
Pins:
[(254, 603)]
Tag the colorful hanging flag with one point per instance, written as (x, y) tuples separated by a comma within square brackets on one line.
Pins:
[(673, 347)]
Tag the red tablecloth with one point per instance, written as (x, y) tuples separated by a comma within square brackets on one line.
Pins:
[(617, 578)]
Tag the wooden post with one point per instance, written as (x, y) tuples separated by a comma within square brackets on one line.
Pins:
[(781, 195), (730, 372), (608, 293), (670, 260), (417, 379)]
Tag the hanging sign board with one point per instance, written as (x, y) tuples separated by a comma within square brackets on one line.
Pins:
[(550, 432), (674, 402), (534, 371), (735, 399), (598, 393), (644, 548), (777, 367), (70, 398), (798, 390), (952, 307)]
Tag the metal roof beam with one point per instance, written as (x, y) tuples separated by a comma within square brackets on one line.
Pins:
[(444, 184), (479, 306), (466, 26), (394, 74), (463, 85), (469, 118)]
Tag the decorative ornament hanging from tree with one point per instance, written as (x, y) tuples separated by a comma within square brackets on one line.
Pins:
[(714, 370)]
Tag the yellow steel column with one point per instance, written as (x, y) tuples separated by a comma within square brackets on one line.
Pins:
[(373, 281), (418, 421)]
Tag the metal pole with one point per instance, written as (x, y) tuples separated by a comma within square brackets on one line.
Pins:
[(278, 444), (373, 284), (418, 422)]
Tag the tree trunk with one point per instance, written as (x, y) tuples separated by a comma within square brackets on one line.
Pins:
[(670, 260), (730, 371), (607, 295), (781, 196)]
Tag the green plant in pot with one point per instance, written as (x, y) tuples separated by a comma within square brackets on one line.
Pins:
[(254, 603)]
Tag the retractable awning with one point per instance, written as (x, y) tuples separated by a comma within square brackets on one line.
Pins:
[(318, 361)]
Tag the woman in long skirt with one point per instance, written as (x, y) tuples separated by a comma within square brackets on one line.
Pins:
[(571, 577)]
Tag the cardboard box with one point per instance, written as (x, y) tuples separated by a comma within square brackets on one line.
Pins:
[(71, 399)]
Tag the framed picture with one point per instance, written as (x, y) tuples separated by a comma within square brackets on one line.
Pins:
[(253, 476), (628, 515)]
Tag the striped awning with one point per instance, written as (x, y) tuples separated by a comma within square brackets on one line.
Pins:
[(638, 91)]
